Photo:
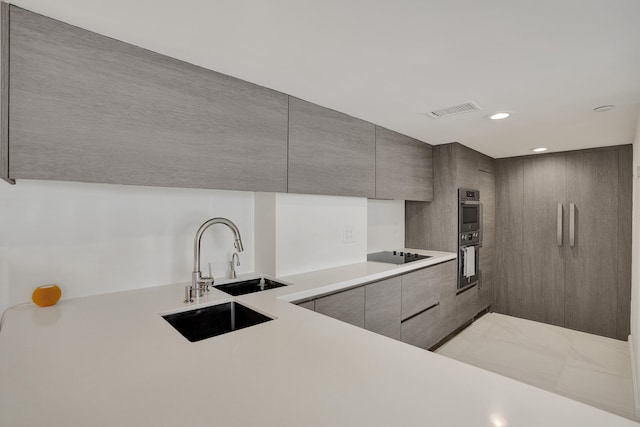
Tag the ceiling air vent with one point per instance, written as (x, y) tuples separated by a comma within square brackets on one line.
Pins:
[(467, 107)]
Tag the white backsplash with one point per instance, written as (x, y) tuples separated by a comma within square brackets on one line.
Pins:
[(310, 232), (98, 238), (385, 230)]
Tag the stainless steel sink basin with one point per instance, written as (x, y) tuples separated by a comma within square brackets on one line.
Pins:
[(249, 286), (202, 323)]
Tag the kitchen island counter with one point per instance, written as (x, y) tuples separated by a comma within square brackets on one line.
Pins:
[(112, 359)]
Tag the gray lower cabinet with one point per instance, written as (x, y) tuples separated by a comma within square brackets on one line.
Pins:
[(382, 312), (85, 107), (329, 152), (424, 288), (347, 306), (309, 305), (418, 308), (428, 305), (423, 330), (404, 167)]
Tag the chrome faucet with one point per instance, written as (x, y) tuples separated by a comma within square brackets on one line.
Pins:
[(234, 258), (200, 283)]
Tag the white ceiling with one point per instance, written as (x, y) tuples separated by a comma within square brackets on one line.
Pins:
[(549, 62)]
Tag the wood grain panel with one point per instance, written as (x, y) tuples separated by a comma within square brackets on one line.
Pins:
[(382, 307), (347, 306), (487, 164), (4, 93), (467, 162), (625, 206), (487, 186), (330, 152), (309, 305), (425, 287), (592, 264), (85, 107), (541, 292), (467, 305), (423, 330), (509, 238), (487, 278), (403, 167), (435, 225)]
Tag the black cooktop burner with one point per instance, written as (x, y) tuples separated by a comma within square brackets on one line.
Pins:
[(395, 257)]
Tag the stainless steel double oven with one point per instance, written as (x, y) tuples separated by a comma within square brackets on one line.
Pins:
[(469, 237)]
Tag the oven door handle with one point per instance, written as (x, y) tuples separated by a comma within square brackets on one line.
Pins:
[(480, 232)]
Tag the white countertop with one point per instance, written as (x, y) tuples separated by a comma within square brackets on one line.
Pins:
[(112, 360)]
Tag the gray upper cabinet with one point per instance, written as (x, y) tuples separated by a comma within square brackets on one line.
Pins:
[(84, 107), (330, 152), (404, 167)]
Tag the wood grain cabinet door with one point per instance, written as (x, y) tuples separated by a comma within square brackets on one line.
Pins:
[(382, 307), (591, 276), (428, 305), (423, 288), (329, 152), (309, 305), (404, 167), (84, 107), (423, 330), (347, 306), (542, 290)]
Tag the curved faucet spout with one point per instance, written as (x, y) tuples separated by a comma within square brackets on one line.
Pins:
[(196, 253), (198, 282)]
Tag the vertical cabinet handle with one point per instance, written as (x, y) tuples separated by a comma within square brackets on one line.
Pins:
[(559, 227), (481, 226), (572, 224)]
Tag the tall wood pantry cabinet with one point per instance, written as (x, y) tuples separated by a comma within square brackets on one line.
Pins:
[(564, 239), (434, 225)]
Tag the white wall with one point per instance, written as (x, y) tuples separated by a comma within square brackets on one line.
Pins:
[(635, 265), (97, 238), (385, 225), (310, 232), (265, 233)]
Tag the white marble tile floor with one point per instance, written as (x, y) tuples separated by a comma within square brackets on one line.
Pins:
[(585, 367)]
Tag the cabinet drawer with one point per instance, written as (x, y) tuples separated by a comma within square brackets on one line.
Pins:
[(423, 330), (426, 287), (467, 305), (347, 306)]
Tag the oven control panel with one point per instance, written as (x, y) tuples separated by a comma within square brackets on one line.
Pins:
[(469, 238)]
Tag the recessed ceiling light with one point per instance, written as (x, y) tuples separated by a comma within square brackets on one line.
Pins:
[(604, 108), (539, 149), (499, 116)]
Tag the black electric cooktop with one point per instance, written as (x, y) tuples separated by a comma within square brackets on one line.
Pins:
[(395, 257)]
